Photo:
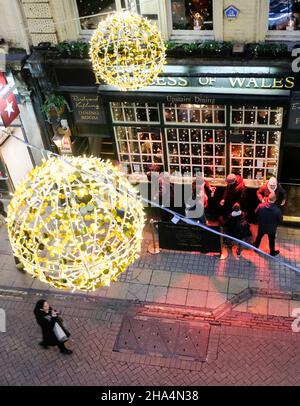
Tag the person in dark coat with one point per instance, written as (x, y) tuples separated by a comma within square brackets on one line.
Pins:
[(234, 193), (237, 226), (269, 216), (272, 186), (46, 318)]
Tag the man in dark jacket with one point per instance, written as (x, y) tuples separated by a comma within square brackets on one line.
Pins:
[(269, 216), (272, 186)]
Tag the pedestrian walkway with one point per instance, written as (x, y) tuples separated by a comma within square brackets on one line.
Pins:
[(192, 279), (230, 355)]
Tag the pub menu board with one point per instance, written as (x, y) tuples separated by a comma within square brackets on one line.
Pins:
[(294, 115), (185, 237), (87, 108)]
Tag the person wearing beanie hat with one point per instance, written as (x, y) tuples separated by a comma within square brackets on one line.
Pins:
[(272, 186), (237, 226), (234, 193)]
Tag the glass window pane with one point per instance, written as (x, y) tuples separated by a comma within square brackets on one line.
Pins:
[(153, 115), (141, 115), (117, 114), (88, 8), (192, 14), (284, 15), (129, 114)]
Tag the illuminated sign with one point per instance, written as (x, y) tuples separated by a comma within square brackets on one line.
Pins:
[(232, 83)]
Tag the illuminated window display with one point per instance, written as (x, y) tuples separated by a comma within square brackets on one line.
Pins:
[(139, 148), (284, 15), (192, 14), (196, 114), (212, 139)]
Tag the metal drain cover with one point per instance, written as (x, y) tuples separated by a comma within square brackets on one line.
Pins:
[(161, 337)]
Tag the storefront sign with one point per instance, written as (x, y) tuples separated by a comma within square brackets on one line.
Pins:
[(66, 145), (87, 108), (185, 237), (231, 13), (294, 116), (229, 83)]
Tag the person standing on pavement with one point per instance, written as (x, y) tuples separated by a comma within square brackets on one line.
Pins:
[(272, 186), (237, 226), (234, 193), (269, 216), (54, 333)]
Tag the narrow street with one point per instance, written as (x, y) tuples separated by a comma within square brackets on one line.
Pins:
[(234, 355)]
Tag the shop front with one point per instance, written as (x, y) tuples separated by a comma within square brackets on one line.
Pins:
[(213, 120), (214, 126)]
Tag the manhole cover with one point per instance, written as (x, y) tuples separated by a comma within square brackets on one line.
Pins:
[(167, 338)]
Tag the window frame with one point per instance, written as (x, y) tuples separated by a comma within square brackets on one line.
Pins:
[(87, 33), (280, 35), (194, 35)]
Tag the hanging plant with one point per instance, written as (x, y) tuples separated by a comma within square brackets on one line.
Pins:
[(54, 106)]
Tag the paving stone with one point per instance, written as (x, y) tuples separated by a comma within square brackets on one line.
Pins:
[(160, 278), (215, 299), (157, 294), (258, 283), (137, 292), (199, 282), (293, 304), (242, 307), (258, 305), (218, 284), (278, 307), (142, 276), (196, 298), (118, 290), (176, 296), (237, 285), (179, 280)]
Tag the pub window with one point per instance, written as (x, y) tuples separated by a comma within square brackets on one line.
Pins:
[(196, 114), (191, 151), (192, 14), (91, 12), (139, 149), (257, 155), (126, 112), (253, 116), (284, 15)]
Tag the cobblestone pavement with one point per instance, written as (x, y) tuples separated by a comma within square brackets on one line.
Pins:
[(236, 355)]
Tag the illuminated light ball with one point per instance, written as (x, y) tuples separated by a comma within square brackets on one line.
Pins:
[(127, 51), (76, 225)]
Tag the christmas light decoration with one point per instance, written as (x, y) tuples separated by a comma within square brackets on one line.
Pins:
[(127, 51), (76, 226)]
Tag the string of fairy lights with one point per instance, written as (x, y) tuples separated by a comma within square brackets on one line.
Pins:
[(75, 223), (86, 278)]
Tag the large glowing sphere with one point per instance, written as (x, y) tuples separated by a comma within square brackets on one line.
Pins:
[(127, 51), (76, 225)]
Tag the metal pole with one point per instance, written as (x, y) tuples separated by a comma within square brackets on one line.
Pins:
[(153, 248)]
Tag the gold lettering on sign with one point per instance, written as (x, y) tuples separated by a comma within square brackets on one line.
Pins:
[(278, 84), (290, 82), (252, 83), (265, 84), (237, 82), (182, 82)]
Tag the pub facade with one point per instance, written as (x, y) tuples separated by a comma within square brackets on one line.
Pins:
[(202, 117)]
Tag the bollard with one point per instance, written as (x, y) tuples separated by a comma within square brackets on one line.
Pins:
[(153, 247)]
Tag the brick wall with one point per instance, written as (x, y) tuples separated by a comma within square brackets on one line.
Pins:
[(40, 22)]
